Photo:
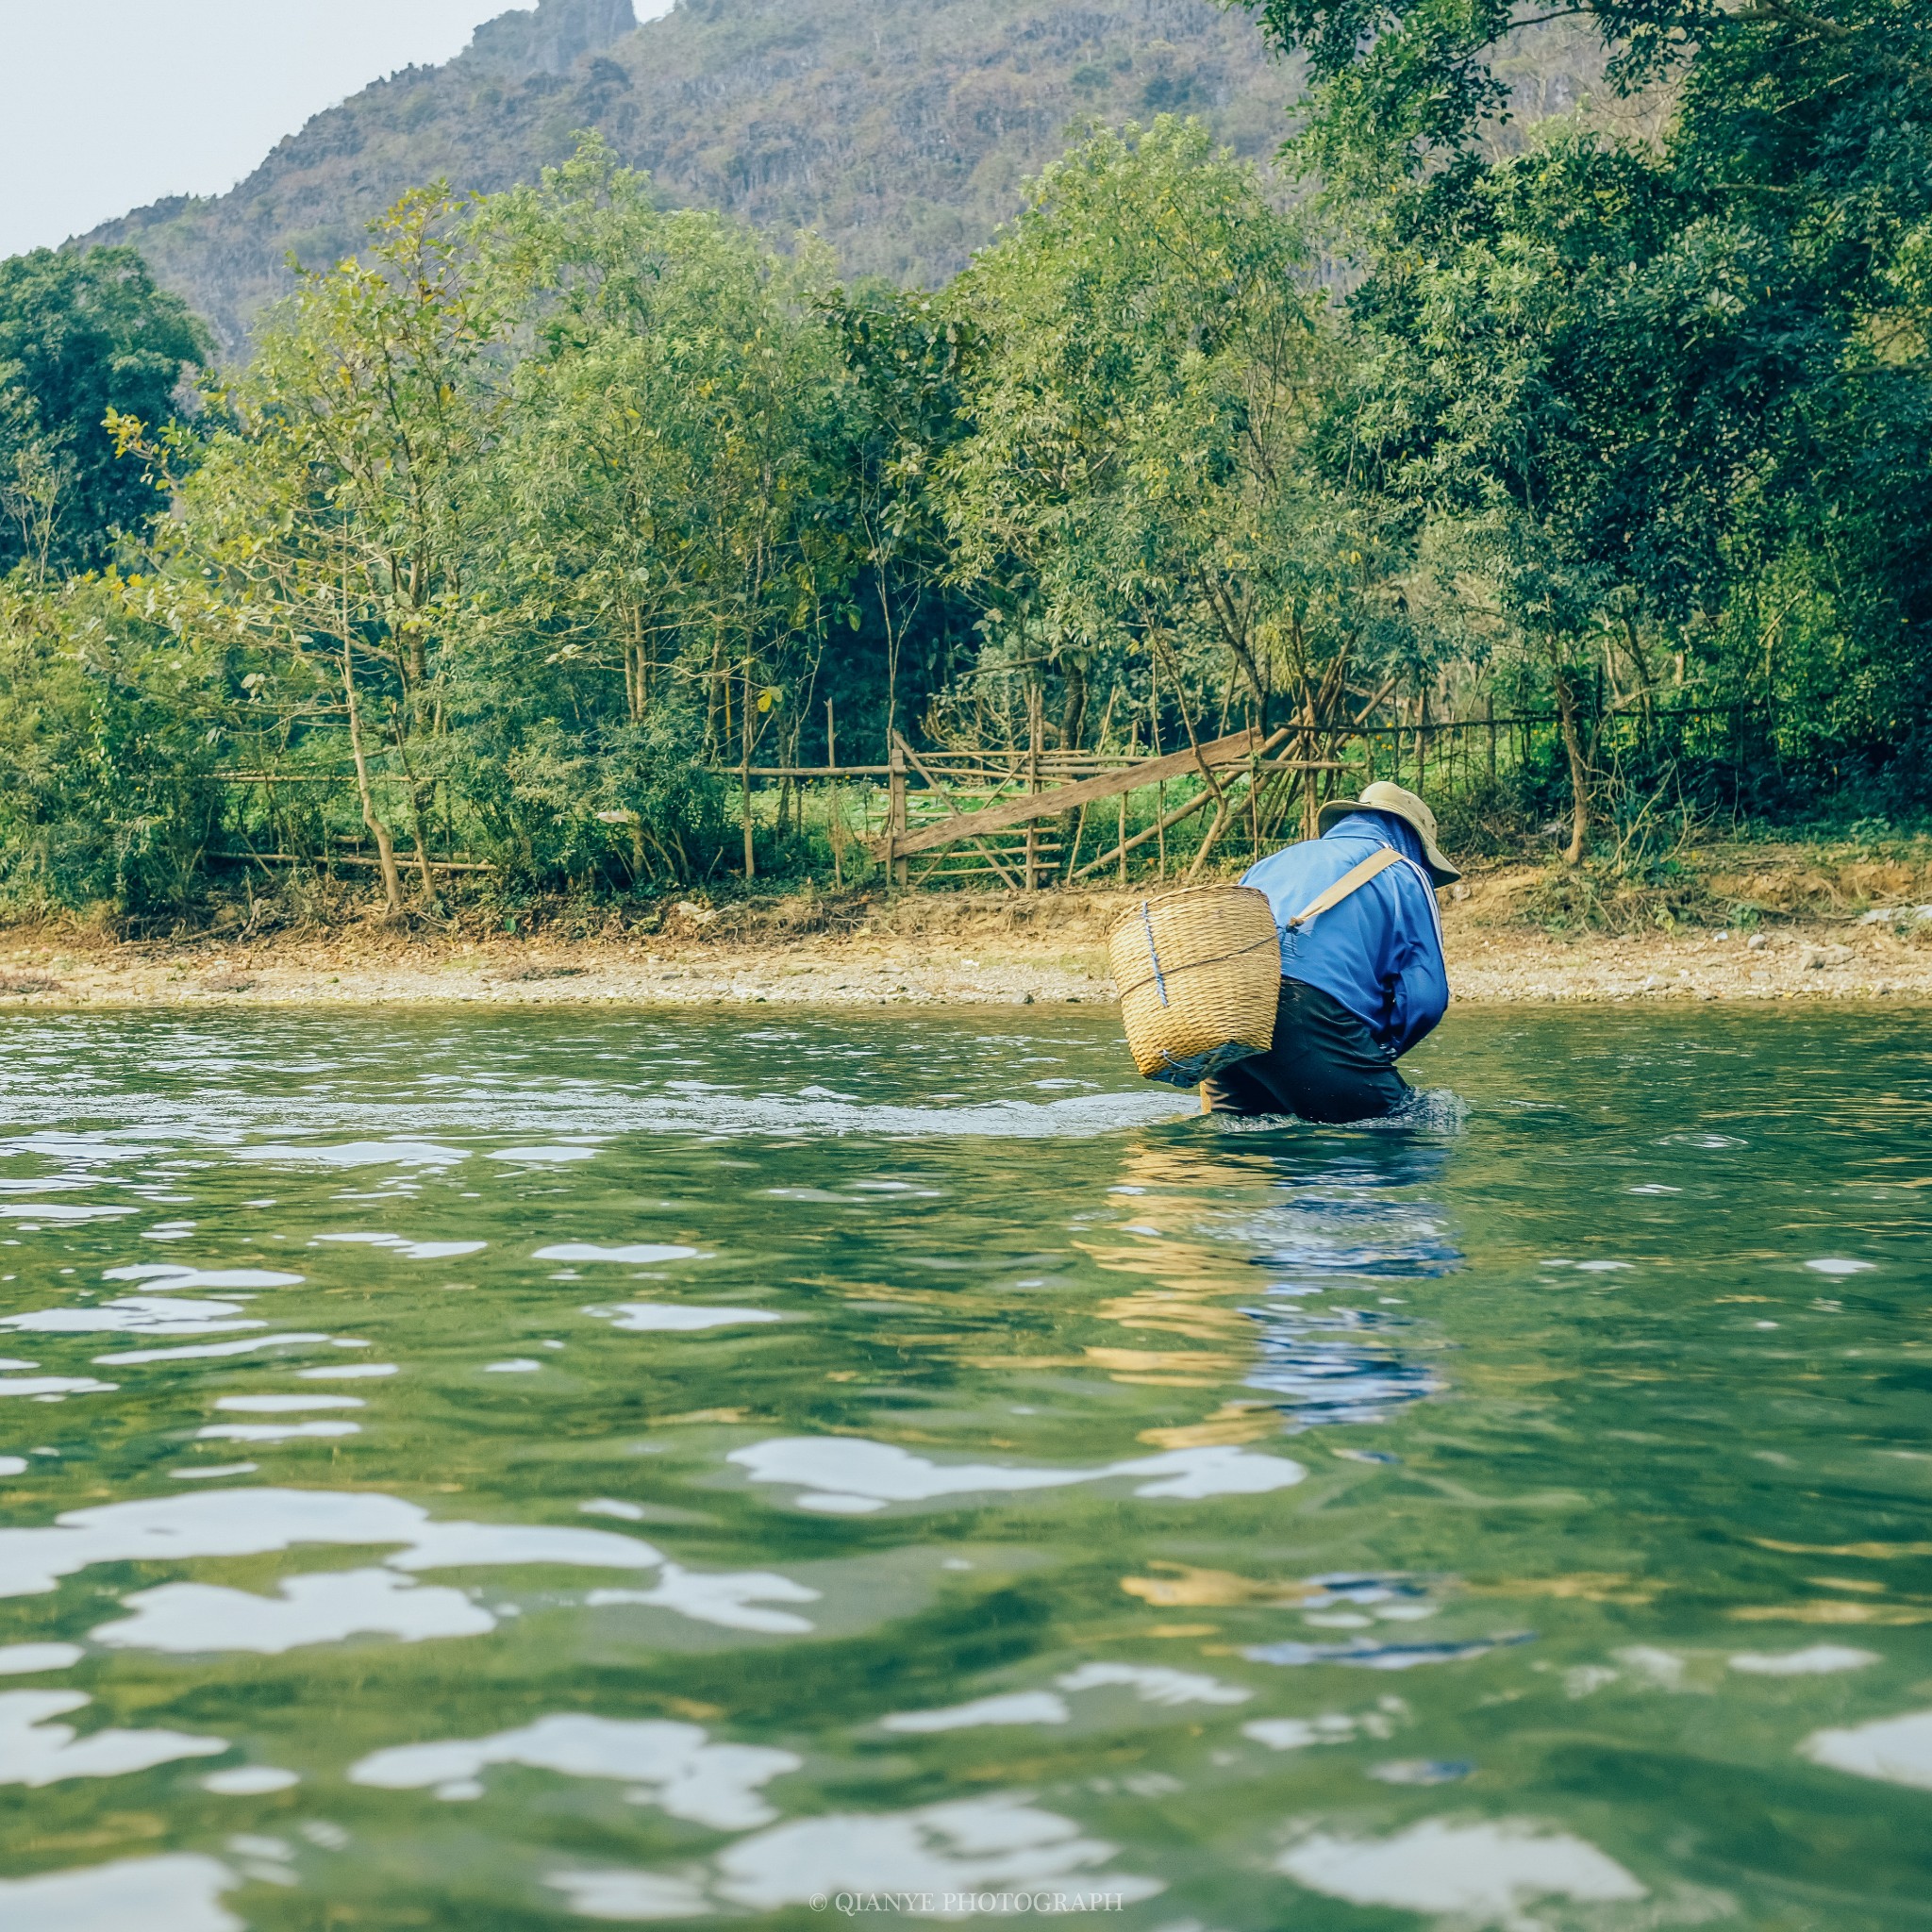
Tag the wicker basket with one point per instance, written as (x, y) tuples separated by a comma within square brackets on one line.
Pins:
[(1199, 973)]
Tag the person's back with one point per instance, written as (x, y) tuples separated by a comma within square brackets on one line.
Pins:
[(1363, 979)]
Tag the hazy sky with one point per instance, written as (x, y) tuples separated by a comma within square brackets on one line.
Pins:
[(107, 104)]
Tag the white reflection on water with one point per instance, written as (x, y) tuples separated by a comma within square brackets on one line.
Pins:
[(413, 1251), (1895, 1749), (282, 1404), (359, 1154), (851, 1476), (642, 1253), (208, 1351), (730, 1598), (23, 1659), (1331, 1728), (273, 1432), (631, 1895), (54, 1385), (48, 1210), (1015, 1708), (34, 1751), (179, 1892), (165, 1277), (249, 1781), (134, 1315), (257, 1522), (1480, 1872), (1151, 1683), (1814, 1660), (323, 1608), (687, 1775), (969, 1845), (1155, 1683), (76, 1150), (675, 1318)]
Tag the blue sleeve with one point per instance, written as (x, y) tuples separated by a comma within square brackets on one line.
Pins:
[(1415, 976)]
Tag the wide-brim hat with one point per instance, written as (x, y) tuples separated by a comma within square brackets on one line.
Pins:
[(1404, 806)]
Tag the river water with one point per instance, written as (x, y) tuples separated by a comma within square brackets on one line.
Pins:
[(505, 1471)]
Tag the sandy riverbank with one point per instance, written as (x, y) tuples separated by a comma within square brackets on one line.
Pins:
[(929, 950)]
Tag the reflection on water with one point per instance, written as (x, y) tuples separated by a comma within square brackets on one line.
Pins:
[(506, 1470), (1337, 1365)]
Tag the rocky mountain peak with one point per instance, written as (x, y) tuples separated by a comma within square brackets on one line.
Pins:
[(553, 37)]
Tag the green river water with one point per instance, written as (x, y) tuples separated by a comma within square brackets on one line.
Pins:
[(507, 1471)]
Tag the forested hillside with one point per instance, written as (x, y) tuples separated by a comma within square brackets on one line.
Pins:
[(899, 130)]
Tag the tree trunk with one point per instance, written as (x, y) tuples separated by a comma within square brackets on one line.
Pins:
[(1073, 719), (1641, 664), (384, 845), (717, 693), (1579, 769), (751, 862), (416, 797)]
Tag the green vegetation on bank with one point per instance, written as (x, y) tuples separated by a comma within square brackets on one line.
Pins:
[(517, 535)]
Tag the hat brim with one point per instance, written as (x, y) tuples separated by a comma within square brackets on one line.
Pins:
[(1337, 809)]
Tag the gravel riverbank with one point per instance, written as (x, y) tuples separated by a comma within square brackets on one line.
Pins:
[(921, 950)]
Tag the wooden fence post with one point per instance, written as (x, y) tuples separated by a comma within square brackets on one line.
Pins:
[(1035, 732), (751, 857), (895, 817)]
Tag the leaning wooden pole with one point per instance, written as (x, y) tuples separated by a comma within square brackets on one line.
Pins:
[(1234, 749)]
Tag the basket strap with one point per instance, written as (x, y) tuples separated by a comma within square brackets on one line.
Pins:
[(1352, 880), (1153, 957)]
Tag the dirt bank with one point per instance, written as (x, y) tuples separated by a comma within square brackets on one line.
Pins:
[(1800, 930)]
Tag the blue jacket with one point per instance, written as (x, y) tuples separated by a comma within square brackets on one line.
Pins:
[(1380, 951)]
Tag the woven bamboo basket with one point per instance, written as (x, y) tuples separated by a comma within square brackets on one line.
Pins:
[(1199, 973)]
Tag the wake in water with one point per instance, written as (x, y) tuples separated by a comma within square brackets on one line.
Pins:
[(1430, 1110), (376, 1128)]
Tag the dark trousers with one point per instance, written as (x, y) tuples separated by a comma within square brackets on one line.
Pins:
[(1322, 1065)]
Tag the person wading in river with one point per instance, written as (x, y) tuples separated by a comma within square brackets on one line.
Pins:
[(1362, 977)]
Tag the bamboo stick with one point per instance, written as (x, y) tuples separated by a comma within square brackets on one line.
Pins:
[(1158, 829)]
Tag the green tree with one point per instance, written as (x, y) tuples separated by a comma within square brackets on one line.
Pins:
[(1136, 480), (906, 354), (80, 336), (1692, 379), (325, 523), (663, 481), (110, 733)]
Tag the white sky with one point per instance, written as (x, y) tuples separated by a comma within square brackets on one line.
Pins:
[(107, 104)]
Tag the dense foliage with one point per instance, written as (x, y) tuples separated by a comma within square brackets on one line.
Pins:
[(531, 533), (80, 335), (1663, 396)]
